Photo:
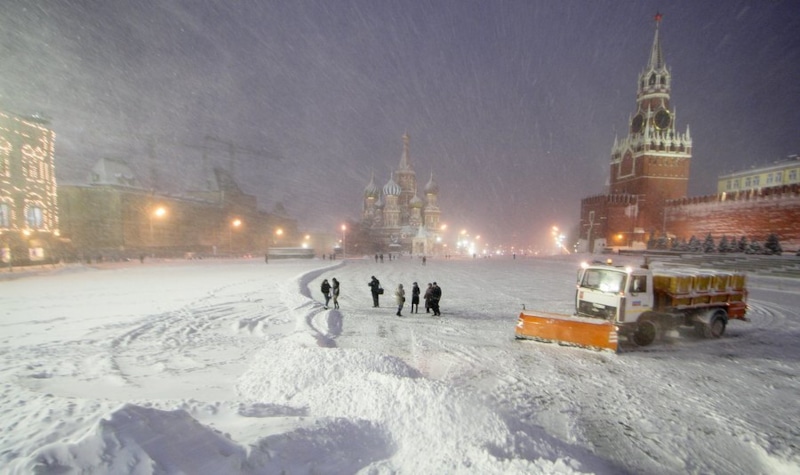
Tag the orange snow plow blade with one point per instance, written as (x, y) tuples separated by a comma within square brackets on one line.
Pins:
[(568, 330)]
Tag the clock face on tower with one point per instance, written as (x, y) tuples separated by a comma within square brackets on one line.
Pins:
[(662, 119), (637, 123)]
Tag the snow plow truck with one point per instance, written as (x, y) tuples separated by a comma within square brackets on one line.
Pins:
[(641, 305)]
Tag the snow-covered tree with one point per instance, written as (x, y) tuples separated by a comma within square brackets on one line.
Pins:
[(755, 247), (772, 246), (724, 245), (743, 244), (708, 244), (662, 243), (680, 245), (695, 245)]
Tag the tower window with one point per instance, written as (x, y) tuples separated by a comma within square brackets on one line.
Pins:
[(5, 217), (652, 79)]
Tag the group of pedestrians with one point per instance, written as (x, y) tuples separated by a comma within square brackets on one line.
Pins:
[(432, 295), (330, 290)]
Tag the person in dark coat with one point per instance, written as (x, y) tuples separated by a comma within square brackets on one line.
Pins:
[(436, 295), (427, 297), (375, 289), (326, 291), (335, 291), (415, 298)]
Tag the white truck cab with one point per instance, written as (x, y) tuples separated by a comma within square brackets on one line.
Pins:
[(617, 294)]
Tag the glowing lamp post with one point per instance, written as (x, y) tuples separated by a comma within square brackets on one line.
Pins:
[(234, 224), (344, 242), (157, 213)]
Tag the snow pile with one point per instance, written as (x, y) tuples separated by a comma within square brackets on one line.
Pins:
[(135, 439)]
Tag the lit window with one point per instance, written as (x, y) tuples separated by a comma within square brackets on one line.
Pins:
[(5, 216), (33, 216)]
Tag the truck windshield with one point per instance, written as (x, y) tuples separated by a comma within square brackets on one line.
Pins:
[(605, 280)]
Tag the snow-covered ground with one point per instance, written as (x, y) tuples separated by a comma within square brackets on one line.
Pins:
[(213, 367)]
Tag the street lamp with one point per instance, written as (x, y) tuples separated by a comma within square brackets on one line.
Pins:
[(159, 213), (344, 242), (234, 224)]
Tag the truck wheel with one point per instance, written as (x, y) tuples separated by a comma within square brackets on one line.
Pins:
[(716, 325), (645, 333)]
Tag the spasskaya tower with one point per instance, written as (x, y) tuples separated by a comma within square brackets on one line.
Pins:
[(648, 166)]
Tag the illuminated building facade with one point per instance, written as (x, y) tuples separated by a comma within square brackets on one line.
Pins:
[(113, 216), (28, 202)]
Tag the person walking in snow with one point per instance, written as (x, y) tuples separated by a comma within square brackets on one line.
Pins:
[(375, 289), (436, 295), (326, 291), (415, 298), (427, 297), (400, 298), (335, 291)]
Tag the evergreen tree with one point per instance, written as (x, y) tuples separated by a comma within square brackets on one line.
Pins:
[(772, 246), (694, 244), (755, 247), (662, 243), (743, 245), (708, 244), (724, 246)]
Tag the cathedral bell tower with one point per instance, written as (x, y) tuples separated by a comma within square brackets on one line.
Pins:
[(651, 164)]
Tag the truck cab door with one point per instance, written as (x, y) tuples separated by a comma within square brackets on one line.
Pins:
[(639, 296)]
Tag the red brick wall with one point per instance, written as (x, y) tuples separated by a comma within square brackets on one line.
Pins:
[(753, 215)]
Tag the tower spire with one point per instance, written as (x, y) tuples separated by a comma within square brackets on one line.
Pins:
[(656, 57), (405, 162)]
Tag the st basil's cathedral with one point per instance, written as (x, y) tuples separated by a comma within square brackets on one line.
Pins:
[(400, 217)]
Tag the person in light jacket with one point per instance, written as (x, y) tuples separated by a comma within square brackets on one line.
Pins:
[(400, 298), (427, 297), (335, 290)]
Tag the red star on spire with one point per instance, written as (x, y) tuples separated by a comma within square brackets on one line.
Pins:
[(658, 17)]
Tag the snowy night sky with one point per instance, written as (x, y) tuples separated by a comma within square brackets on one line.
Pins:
[(514, 105)]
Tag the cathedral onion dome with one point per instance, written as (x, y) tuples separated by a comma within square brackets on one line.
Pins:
[(432, 187), (416, 202), (391, 188), (371, 191)]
